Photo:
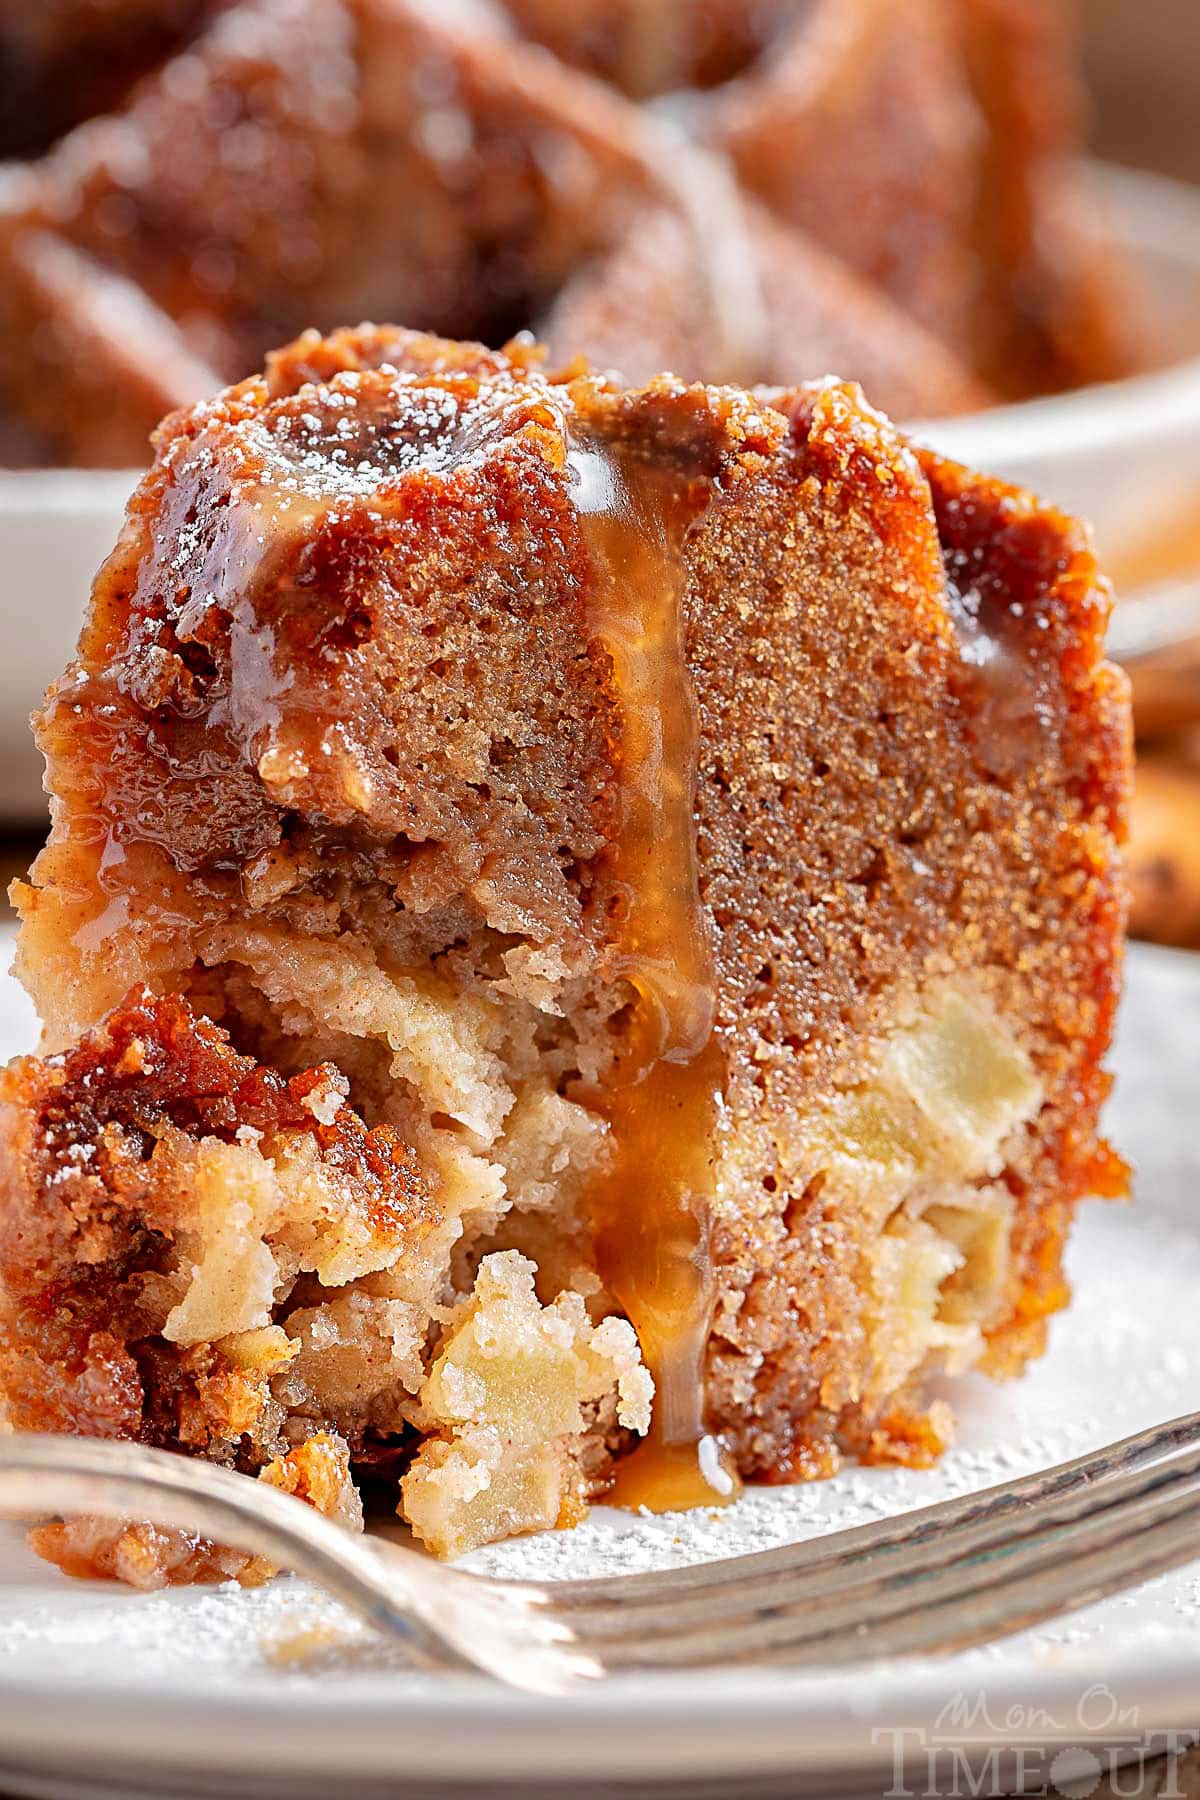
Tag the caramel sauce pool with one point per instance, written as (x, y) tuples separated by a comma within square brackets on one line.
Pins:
[(651, 1209)]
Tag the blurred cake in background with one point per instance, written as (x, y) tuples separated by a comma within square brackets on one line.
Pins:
[(742, 192), (65, 60)]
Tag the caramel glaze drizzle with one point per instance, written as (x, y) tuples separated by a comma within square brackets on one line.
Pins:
[(651, 1207)]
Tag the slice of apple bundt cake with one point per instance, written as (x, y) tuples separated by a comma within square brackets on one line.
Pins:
[(577, 944)]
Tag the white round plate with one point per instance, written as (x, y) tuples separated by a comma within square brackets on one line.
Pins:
[(1126, 455), (279, 1692)]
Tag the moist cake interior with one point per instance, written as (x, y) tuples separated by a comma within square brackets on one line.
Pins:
[(577, 945)]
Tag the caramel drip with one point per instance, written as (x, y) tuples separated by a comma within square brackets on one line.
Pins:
[(1009, 701), (651, 1209)]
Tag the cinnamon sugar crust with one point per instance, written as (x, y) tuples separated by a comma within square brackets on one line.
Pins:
[(348, 759)]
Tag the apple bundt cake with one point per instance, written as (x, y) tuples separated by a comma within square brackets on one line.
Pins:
[(886, 193), (576, 947)]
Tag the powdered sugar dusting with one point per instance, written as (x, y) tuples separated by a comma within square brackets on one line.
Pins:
[(346, 442)]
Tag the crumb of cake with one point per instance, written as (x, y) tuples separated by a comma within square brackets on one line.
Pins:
[(318, 1470), (142, 1555), (150, 1556), (526, 1369), (506, 1403), (577, 946), (299, 1647)]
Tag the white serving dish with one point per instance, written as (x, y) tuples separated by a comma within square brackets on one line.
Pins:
[(1126, 456)]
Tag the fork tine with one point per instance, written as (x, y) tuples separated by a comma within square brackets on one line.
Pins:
[(1056, 1567), (1016, 1604), (910, 1538), (838, 1576), (938, 1579)]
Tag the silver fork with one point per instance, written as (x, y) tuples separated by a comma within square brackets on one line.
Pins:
[(931, 1581)]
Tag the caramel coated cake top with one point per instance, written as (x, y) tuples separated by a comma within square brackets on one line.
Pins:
[(727, 715), (315, 570)]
